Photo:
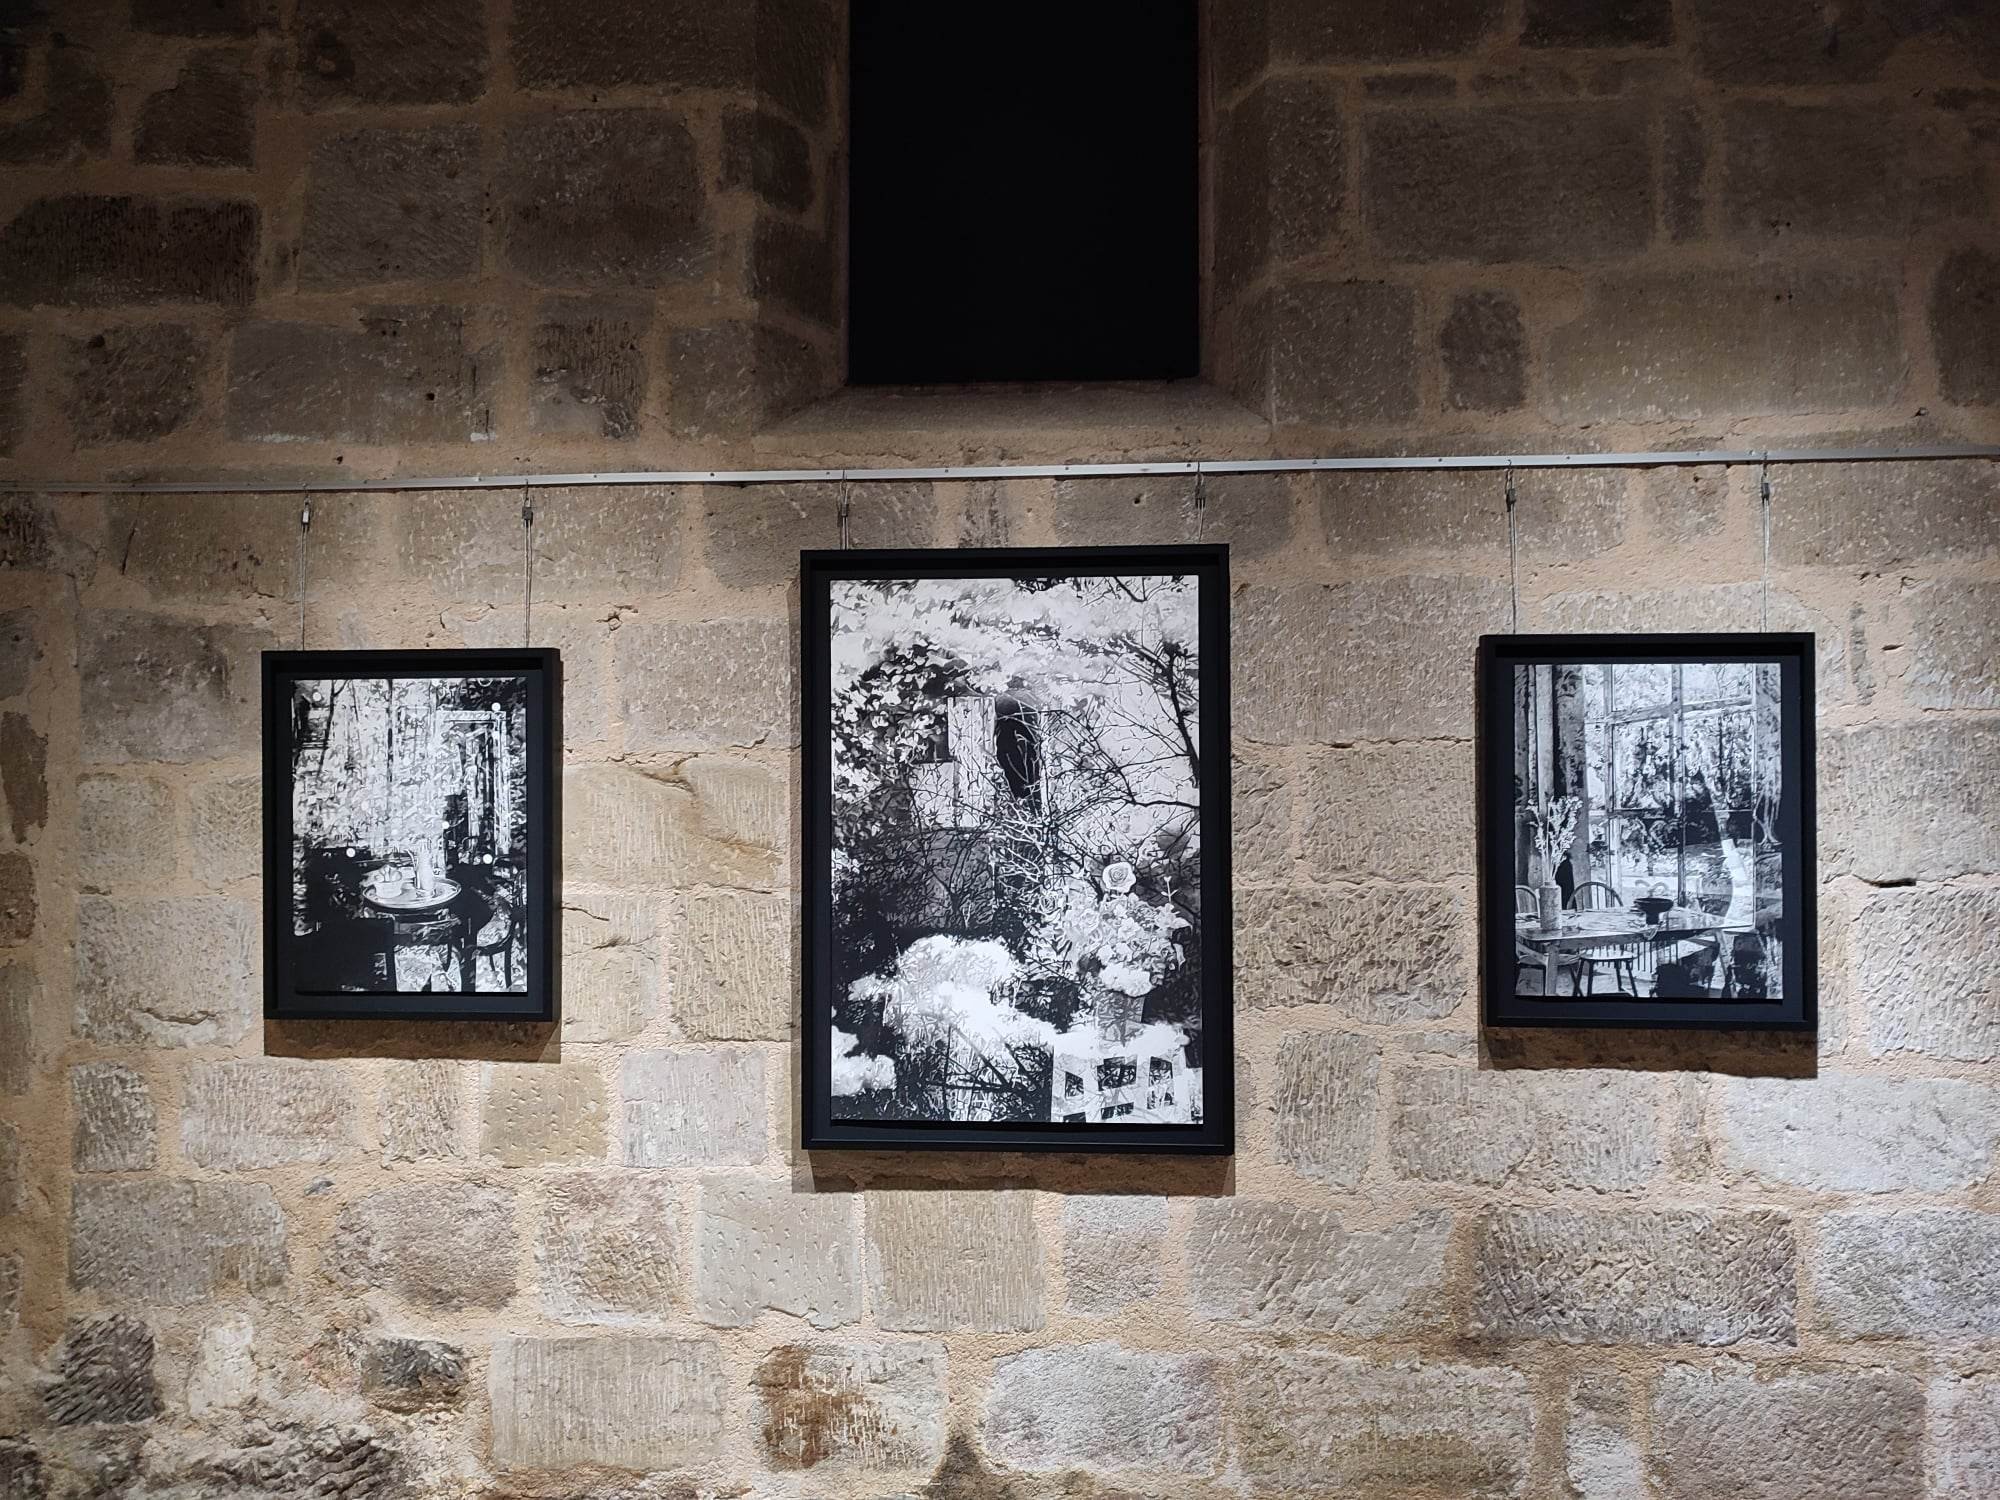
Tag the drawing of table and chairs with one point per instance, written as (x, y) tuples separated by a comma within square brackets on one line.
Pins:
[(1680, 950)]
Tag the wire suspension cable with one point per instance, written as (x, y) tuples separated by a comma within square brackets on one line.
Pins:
[(1764, 527), (527, 566), (305, 529), (1513, 552)]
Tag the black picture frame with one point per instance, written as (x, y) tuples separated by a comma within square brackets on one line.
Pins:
[(1790, 924), (288, 994), (1214, 1134)]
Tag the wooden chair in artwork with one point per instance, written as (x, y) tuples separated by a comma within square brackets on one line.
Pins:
[(1620, 957), (1525, 902)]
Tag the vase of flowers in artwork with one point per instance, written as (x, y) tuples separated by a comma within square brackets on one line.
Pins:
[(1553, 823)]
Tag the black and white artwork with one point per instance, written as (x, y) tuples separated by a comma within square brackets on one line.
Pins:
[(1025, 850), (410, 843), (1648, 805)]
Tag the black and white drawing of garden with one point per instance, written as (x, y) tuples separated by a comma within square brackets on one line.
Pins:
[(409, 829), (1648, 856), (1016, 850)]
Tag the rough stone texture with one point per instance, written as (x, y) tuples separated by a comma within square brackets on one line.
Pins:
[(377, 52), (1485, 353), (195, 549), (225, 1366), (1907, 513), (1909, 801), (1793, 41), (1379, 31), (755, 535), (701, 687), (1372, 660), (1664, 1276), (93, 250), (24, 775), (405, 1374), (1923, 1274), (1964, 299), (1275, 1266), (628, 828), (1965, 1438), (1847, 1134), (18, 907), (1927, 967), (103, 1373), (539, 1114), (1726, 344), (1112, 1250), (20, 641), (857, 1407), (1397, 813), (421, 1109), (236, 1116), (795, 270), (766, 153), (180, 972), (438, 1246), (602, 44), (116, 1128), (1377, 954), (226, 828), (947, 1259), (1594, 23), (20, 993), (1602, 1458), (1828, 170), (1554, 1129), (692, 1109), (706, 369), (610, 965), (762, 1244), (389, 375), (207, 118), (134, 382), (1250, 512), (729, 964), (610, 1249), (1325, 1104), (629, 1403), (1731, 1429), (1336, 1424), (589, 367), (179, 1244), (1562, 182), (1957, 629), (427, 229), (158, 689), (76, 115), (1098, 1406), (603, 199), (1373, 379), (10, 1317), (592, 546), (13, 1186)]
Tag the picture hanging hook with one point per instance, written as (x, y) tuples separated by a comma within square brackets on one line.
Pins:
[(1764, 528), (1200, 500), (305, 528), (844, 511)]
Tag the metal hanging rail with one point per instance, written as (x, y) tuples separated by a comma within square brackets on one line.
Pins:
[(1670, 458)]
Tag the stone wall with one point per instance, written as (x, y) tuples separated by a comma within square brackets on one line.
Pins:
[(503, 1261), (356, 236), (342, 236)]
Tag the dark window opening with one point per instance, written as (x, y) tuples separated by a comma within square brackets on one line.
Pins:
[(1022, 194)]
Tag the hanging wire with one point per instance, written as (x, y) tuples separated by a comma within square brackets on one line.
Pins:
[(305, 527), (527, 565), (1513, 552), (1200, 500), (1764, 525), (843, 507)]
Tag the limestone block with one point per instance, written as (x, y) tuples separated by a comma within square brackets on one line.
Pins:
[(238, 1116), (611, 965), (1845, 1134), (1103, 1408), (103, 1372), (97, 250), (406, 1374), (116, 1129), (1272, 1265), (1926, 966), (729, 964), (1903, 801), (949, 1259), (391, 205), (179, 972), (1325, 1103), (865, 1408), (1643, 1276), (1965, 1438), (610, 1248), (165, 690), (440, 1245), (627, 828), (1582, 1129), (1112, 1250), (1401, 812), (708, 686), (421, 1109), (1376, 954), (1922, 1273), (536, 1114), (764, 1244), (626, 1403), (175, 1243), (693, 1109), (125, 832)]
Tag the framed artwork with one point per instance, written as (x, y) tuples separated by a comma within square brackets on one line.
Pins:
[(411, 834), (1647, 830), (1016, 786)]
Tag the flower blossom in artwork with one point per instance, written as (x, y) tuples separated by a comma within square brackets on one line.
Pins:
[(1120, 877)]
